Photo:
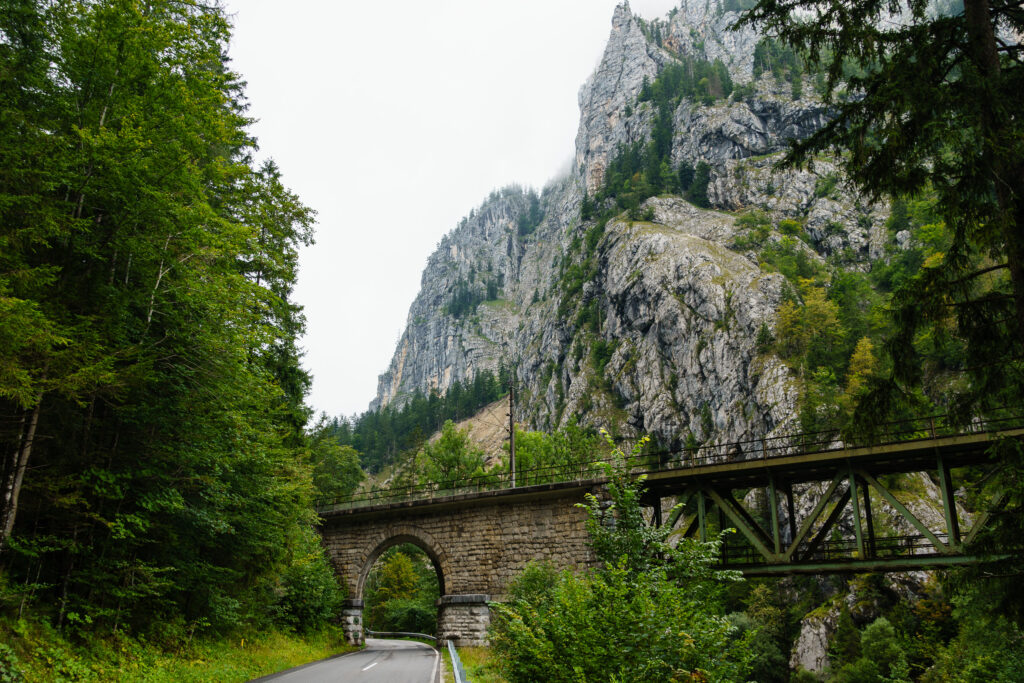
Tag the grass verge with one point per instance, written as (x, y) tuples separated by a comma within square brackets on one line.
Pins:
[(35, 652), (480, 667)]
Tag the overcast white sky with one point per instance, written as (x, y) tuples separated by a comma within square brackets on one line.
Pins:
[(392, 119)]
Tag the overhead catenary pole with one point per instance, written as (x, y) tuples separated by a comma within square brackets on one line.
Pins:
[(512, 431)]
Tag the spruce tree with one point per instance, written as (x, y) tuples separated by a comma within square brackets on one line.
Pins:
[(930, 102)]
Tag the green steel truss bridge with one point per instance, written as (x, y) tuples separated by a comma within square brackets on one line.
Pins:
[(755, 487)]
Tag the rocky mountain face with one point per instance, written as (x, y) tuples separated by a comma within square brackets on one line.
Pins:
[(649, 323), (660, 338), (638, 50)]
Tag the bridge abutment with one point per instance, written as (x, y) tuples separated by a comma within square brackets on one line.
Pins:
[(463, 619), (352, 621)]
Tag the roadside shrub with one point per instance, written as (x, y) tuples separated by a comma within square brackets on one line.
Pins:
[(10, 671), (409, 615), (311, 593), (652, 613)]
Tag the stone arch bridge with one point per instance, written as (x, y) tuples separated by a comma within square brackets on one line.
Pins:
[(479, 540)]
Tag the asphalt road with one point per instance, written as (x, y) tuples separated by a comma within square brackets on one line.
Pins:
[(382, 661)]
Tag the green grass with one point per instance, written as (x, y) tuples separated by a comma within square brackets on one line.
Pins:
[(480, 668), (44, 655)]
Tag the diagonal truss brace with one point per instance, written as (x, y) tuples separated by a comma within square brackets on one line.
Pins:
[(906, 513), (745, 524), (808, 524), (848, 489)]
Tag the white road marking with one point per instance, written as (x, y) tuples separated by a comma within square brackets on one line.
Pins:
[(370, 666)]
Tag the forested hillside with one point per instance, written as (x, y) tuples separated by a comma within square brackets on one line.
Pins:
[(381, 436), (155, 477)]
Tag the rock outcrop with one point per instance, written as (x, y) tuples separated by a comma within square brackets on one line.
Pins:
[(661, 337), (628, 59), (677, 313), (810, 651)]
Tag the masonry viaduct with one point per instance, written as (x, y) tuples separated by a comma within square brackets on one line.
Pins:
[(478, 541)]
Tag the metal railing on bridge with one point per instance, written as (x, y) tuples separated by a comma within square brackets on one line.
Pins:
[(844, 549), (651, 461)]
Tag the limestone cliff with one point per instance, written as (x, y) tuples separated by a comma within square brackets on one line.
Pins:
[(648, 325)]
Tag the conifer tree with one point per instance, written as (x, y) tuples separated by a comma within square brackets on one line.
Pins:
[(146, 322), (933, 106)]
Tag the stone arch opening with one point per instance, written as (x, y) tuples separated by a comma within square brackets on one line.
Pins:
[(416, 537)]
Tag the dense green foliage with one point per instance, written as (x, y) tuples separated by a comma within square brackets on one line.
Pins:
[(337, 471), (155, 475), (568, 453), (932, 117), (380, 436), (690, 78), (652, 612), (834, 323), (309, 592), (449, 460), (401, 592)]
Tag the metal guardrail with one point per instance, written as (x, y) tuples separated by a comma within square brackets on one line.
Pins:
[(457, 668), (399, 634), (764, 448)]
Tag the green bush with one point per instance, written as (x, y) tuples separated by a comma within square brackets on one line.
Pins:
[(408, 615), (311, 595), (10, 671), (615, 625), (788, 226), (765, 339), (652, 613), (825, 186)]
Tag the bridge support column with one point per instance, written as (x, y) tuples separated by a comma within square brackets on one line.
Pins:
[(463, 619), (352, 621)]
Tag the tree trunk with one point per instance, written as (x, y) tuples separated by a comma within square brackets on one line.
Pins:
[(14, 478), (981, 37), (1015, 259), (1007, 174)]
